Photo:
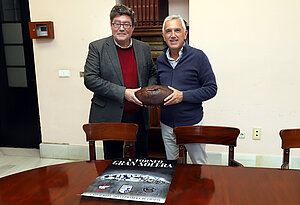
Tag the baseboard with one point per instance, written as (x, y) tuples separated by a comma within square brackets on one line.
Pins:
[(80, 152)]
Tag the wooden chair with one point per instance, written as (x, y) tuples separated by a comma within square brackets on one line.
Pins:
[(111, 131), (208, 135), (290, 139)]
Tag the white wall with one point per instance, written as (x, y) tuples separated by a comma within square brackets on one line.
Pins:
[(180, 7), (254, 48), (64, 102)]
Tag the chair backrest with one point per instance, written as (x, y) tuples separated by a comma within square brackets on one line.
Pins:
[(208, 135), (290, 139), (111, 131)]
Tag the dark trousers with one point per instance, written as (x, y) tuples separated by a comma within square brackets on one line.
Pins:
[(114, 149)]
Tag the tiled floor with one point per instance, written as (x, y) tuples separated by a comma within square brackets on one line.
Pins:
[(14, 160)]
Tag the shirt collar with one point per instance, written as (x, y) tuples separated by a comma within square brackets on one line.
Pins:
[(130, 44), (172, 59)]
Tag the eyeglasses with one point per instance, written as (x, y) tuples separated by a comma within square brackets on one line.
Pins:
[(125, 25)]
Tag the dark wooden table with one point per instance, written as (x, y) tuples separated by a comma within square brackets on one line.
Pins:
[(192, 184)]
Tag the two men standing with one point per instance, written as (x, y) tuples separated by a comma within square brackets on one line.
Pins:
[(117, 66)]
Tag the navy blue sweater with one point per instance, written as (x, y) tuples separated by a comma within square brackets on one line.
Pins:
[(193, 76)]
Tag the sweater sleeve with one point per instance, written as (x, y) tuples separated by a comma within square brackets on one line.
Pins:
[(207, 81)]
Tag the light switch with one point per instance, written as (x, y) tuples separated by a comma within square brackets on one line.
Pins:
[(64, 73)]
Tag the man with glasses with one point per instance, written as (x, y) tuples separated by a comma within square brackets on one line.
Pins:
[(189, 74), (116, 67)]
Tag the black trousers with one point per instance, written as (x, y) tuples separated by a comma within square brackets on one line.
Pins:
[(114, 149)]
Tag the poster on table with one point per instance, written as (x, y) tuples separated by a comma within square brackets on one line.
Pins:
[(145, 180)]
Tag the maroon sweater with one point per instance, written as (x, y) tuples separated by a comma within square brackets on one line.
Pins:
[(129, 70)]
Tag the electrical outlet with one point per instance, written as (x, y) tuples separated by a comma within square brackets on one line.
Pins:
[(242, 135), (256, 133)]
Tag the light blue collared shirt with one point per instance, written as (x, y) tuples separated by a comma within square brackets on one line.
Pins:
[(171, 60)]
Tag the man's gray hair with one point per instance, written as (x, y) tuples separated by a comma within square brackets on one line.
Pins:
[(168, 18)]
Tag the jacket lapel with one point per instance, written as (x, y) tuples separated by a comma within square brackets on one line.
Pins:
[(138, 58), (114, 58)]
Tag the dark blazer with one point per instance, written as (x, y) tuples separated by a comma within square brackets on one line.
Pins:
[(103, 76)]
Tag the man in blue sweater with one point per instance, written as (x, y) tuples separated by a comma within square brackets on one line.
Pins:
[(187, 71)]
